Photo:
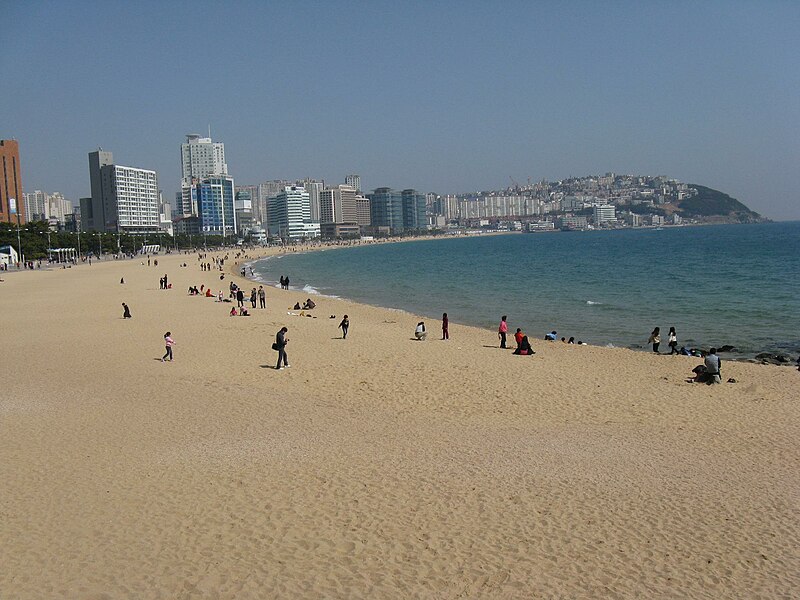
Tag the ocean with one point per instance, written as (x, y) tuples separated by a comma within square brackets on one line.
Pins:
[(726, 284)]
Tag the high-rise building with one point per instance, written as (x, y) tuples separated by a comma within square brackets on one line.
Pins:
[(36, 204), (257, 205), (413, 210), (123, 198), (58, 207), (11, 183), (290, 214), (314, 189), (363, 217), (200, 158), (215, 201), (338, 205), (353, 181), (386, 209), (243, 206)]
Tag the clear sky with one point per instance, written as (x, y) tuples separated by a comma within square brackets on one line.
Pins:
[(443, 97)]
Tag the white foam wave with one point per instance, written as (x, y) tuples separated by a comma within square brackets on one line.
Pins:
[(592, 303)]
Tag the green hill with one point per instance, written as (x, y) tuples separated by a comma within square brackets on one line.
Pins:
[(711, 204)]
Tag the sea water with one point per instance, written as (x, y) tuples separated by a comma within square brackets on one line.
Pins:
[(726, 284)]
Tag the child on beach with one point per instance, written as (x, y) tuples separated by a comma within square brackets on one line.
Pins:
[(168, 343), (672, 341), (126, 312), (344, 325), (655, 339), (445, 327)]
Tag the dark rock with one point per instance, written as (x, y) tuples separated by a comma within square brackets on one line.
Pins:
[(726, 348)]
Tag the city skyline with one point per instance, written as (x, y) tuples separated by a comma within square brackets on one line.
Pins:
[(446, 99)]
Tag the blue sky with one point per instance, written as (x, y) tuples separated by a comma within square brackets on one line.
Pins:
[(440, 96)]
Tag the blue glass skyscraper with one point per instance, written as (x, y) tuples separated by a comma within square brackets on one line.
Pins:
[(215, 196)]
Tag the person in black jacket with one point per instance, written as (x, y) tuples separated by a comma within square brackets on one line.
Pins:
[(280, 346)]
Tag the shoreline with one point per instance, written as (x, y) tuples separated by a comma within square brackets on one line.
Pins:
[(752, 356)]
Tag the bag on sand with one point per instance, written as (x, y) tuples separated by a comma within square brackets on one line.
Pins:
[(275, 345)]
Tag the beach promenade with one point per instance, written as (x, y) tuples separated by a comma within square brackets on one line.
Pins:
[(374, 467)]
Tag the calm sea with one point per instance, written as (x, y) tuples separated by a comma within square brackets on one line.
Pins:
[(727, 284)]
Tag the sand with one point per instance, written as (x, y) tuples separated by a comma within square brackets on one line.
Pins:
[(374, 467)]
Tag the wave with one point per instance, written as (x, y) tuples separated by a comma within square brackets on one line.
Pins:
[(592, 303)]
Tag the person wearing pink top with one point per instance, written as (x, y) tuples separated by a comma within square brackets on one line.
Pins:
[(502, 331), (169, 343)]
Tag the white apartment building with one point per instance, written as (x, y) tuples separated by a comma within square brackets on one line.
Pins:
[(200, 158), (354, 181), (314, 189), (604, 213), (36, 205), (290, 215), (58, 207), (130, 198)]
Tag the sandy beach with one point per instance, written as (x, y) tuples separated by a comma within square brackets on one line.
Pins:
[(373, 467)]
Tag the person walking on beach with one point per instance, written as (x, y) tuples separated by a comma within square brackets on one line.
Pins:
[(280, 346), (168, 343), (655, 339), (126, 312), (253, 298), (344, 325), (239, 297), (166, 285), (286, 282), (445, 327), (502, 331), (262, 296), (672, 341)]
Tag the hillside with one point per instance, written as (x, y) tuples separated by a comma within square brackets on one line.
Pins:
[(710, 204)]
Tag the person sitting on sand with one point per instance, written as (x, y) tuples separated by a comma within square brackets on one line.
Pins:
[(243, 312), (571, 340), (518, 335), (233, 311), (309, 304), (209, 294), (524, 348), (420, 332), (713, 364), (297, 306), (551, 337)]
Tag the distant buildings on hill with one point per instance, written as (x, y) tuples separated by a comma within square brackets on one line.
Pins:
[(127, 199)]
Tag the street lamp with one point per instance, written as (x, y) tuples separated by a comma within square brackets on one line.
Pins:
[(99, 246)]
